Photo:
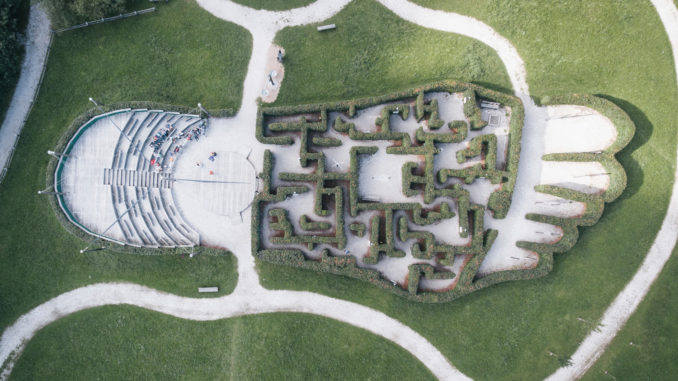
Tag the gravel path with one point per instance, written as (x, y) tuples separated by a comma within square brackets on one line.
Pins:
[(243, 303), (37, 38), (250, 298), (623, 306)]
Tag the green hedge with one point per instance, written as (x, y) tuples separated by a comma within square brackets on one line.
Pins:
[(307, 224), (358, 228), (472, 111), (622, 122), (382, 239), (499, 203)]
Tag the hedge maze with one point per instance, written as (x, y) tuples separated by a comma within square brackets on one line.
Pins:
[(409, 223), (341, 218)]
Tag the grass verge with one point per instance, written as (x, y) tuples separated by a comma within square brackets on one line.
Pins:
[(510, 331), (126, 343), (180, 55), (645, 347)]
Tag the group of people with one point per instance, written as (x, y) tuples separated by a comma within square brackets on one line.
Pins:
[(165, 133), (160, 137)]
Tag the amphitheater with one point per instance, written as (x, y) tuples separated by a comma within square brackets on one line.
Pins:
[(117, 178)]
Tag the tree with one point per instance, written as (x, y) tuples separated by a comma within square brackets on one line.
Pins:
[(64, 13), (10, 48)]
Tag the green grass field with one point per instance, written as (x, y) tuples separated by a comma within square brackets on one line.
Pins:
[(173, 56), (373, 52), (645, 348), (507, 331), (274, 5), (117, 343), (615, 49)]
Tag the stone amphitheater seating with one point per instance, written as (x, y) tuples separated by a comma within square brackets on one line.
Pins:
[(142, 195)]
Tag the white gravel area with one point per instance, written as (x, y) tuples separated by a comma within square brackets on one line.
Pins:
[(86, 195), (558, 206), (237, 304), (250, 298), (380, 177), (37, 43), (587, 177), (572, 128)]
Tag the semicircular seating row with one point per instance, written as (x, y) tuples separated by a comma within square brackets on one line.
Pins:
[(141, 178)]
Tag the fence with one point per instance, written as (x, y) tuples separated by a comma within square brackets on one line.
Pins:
[(3, 173), (30, 108), (103, 20)]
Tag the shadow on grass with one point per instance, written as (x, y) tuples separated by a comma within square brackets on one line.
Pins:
[(644, 129)]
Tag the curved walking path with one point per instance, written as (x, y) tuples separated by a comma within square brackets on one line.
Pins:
[(250, 298), (623, 306), (37, 43), (261, 301)]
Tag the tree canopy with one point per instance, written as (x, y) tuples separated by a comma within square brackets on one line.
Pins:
[(64, 13)]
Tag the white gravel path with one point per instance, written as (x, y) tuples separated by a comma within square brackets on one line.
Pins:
[(623, 306), (569, 129), (250, 298), (237, 304), (37, 38)]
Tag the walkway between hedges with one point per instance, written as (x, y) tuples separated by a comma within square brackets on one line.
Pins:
[(250, 298)]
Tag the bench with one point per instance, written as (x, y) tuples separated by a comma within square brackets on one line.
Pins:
[(208, 289), (326, 27), (490, 105)]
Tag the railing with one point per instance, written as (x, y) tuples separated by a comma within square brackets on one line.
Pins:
[(59, 170), (107, 19)]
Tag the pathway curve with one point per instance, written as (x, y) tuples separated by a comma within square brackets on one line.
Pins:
[(37, 44), (250, 298), (623, 306), (262, 301)]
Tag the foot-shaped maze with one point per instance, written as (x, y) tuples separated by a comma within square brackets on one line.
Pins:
[(398, 190)]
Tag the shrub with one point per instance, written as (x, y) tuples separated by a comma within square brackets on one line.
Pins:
[(417, 270), (358, 228), (307, 224), (499, 203), (472, 111), (326, 142), (10, 49), (382, 229), (65, 13)]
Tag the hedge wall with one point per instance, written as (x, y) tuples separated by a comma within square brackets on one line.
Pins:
[(382, 229)]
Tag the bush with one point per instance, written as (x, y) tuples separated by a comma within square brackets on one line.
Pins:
[(65, 13), (358, 228), (381, 228), (472, 111), (10, 48), (499, 203)]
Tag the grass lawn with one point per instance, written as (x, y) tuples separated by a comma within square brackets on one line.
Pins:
[(120, 343), (274, 5), (615, 49), (653, 331), (373, 52), (179, 55)]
